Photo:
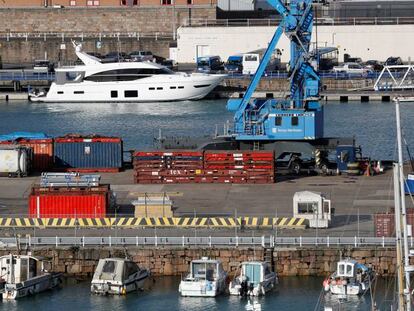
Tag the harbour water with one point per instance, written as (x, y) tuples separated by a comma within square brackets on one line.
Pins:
[(293, 294), (373, 124)]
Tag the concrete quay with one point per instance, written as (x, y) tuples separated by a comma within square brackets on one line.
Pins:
[(354, 198)]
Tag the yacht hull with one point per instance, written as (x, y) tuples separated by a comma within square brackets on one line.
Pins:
[(102, 287), (202, 288), (31, 287), (153, 89)]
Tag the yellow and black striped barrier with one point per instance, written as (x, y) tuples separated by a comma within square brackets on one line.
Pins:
[(178, 222)]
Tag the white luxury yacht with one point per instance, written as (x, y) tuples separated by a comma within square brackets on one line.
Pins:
[(124, 82)]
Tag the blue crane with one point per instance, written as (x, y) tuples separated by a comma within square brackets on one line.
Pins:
[(298, 116)]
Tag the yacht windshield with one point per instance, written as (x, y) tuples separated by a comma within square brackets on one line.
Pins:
[(127, 74), (204, 271)]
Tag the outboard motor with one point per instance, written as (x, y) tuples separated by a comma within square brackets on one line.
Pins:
[(244, 288)]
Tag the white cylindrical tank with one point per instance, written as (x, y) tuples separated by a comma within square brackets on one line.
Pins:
[(14, 161)]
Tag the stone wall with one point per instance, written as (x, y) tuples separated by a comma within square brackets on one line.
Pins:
[(175, 261), (272, 84), (144, 19), (21, 51)]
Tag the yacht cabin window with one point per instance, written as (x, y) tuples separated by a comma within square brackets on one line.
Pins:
[(129, 74), (114, 94), (131, 93)]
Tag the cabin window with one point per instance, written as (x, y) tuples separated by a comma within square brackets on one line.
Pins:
[(295, 121), (32, 267), (152, 88), (278, 121), (60, 92), (341, 270), (24, 266), (307, 207), (114, 94), (129, 269), (349, 269), (78, 92), (201, 85), (173, 87), (131, 93), (159, 88), (109, 266), (181, 87)]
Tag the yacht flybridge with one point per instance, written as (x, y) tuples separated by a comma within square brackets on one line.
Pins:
[(124, 82)]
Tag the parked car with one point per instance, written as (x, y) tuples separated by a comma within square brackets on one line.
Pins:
[(43, 65), (393, 61), (209, 64), (141, 56), (351, 68), (374, 65), (170, 64), (113, 57)]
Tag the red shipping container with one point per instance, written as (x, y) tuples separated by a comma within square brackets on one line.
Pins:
[(69, 202), (42, 152)]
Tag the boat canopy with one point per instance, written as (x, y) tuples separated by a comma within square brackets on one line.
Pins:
[(253, 272), (23, 135), (115, 269)]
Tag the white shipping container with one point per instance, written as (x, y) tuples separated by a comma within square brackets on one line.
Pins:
[(14, 161), (236, 5)]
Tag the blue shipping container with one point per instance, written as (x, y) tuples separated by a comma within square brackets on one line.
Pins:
[(88, 153)]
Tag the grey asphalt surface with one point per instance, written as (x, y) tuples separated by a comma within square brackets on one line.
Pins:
[(354, 198)]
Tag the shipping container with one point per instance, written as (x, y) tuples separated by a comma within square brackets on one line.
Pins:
[(15, 160), (42, 152), (384, 223), (88, 153), (75, 202)]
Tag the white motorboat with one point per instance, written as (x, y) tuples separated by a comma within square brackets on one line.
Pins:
[(351, 278), (206, 279), (26, 275), (117, 276), (255, 279), (124, 82)]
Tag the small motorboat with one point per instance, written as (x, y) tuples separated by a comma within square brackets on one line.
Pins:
[(350, 278), (206, 279), (255, 279), (117, 276), (26, 275)]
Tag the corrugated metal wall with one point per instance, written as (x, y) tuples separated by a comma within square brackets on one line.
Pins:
[(68, 205), (93, 154)]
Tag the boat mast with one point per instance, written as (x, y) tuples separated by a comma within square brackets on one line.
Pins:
[(402, 210), (397, 218)]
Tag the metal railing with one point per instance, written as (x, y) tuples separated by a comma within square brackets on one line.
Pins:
[(86, 35), (202, 241), (252, 22), (22, 75)]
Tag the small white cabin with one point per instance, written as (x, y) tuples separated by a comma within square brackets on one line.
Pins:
[(312, 206)]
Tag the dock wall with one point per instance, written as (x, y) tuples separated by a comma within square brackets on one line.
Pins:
[(175, 261), (143, 19)]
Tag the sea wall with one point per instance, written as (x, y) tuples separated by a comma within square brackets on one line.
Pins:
[(21, 51), (80, 262), (143, 19), (328, 84)]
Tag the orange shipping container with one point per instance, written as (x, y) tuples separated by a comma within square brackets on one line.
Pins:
[(42, 152)]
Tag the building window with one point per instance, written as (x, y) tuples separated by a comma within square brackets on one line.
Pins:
[(135, 2), (131, 93), (166, 2), (295, 121), (72, 2), (92, 2), (114, 94), (189, 2), (123, 2), (278, 121)]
